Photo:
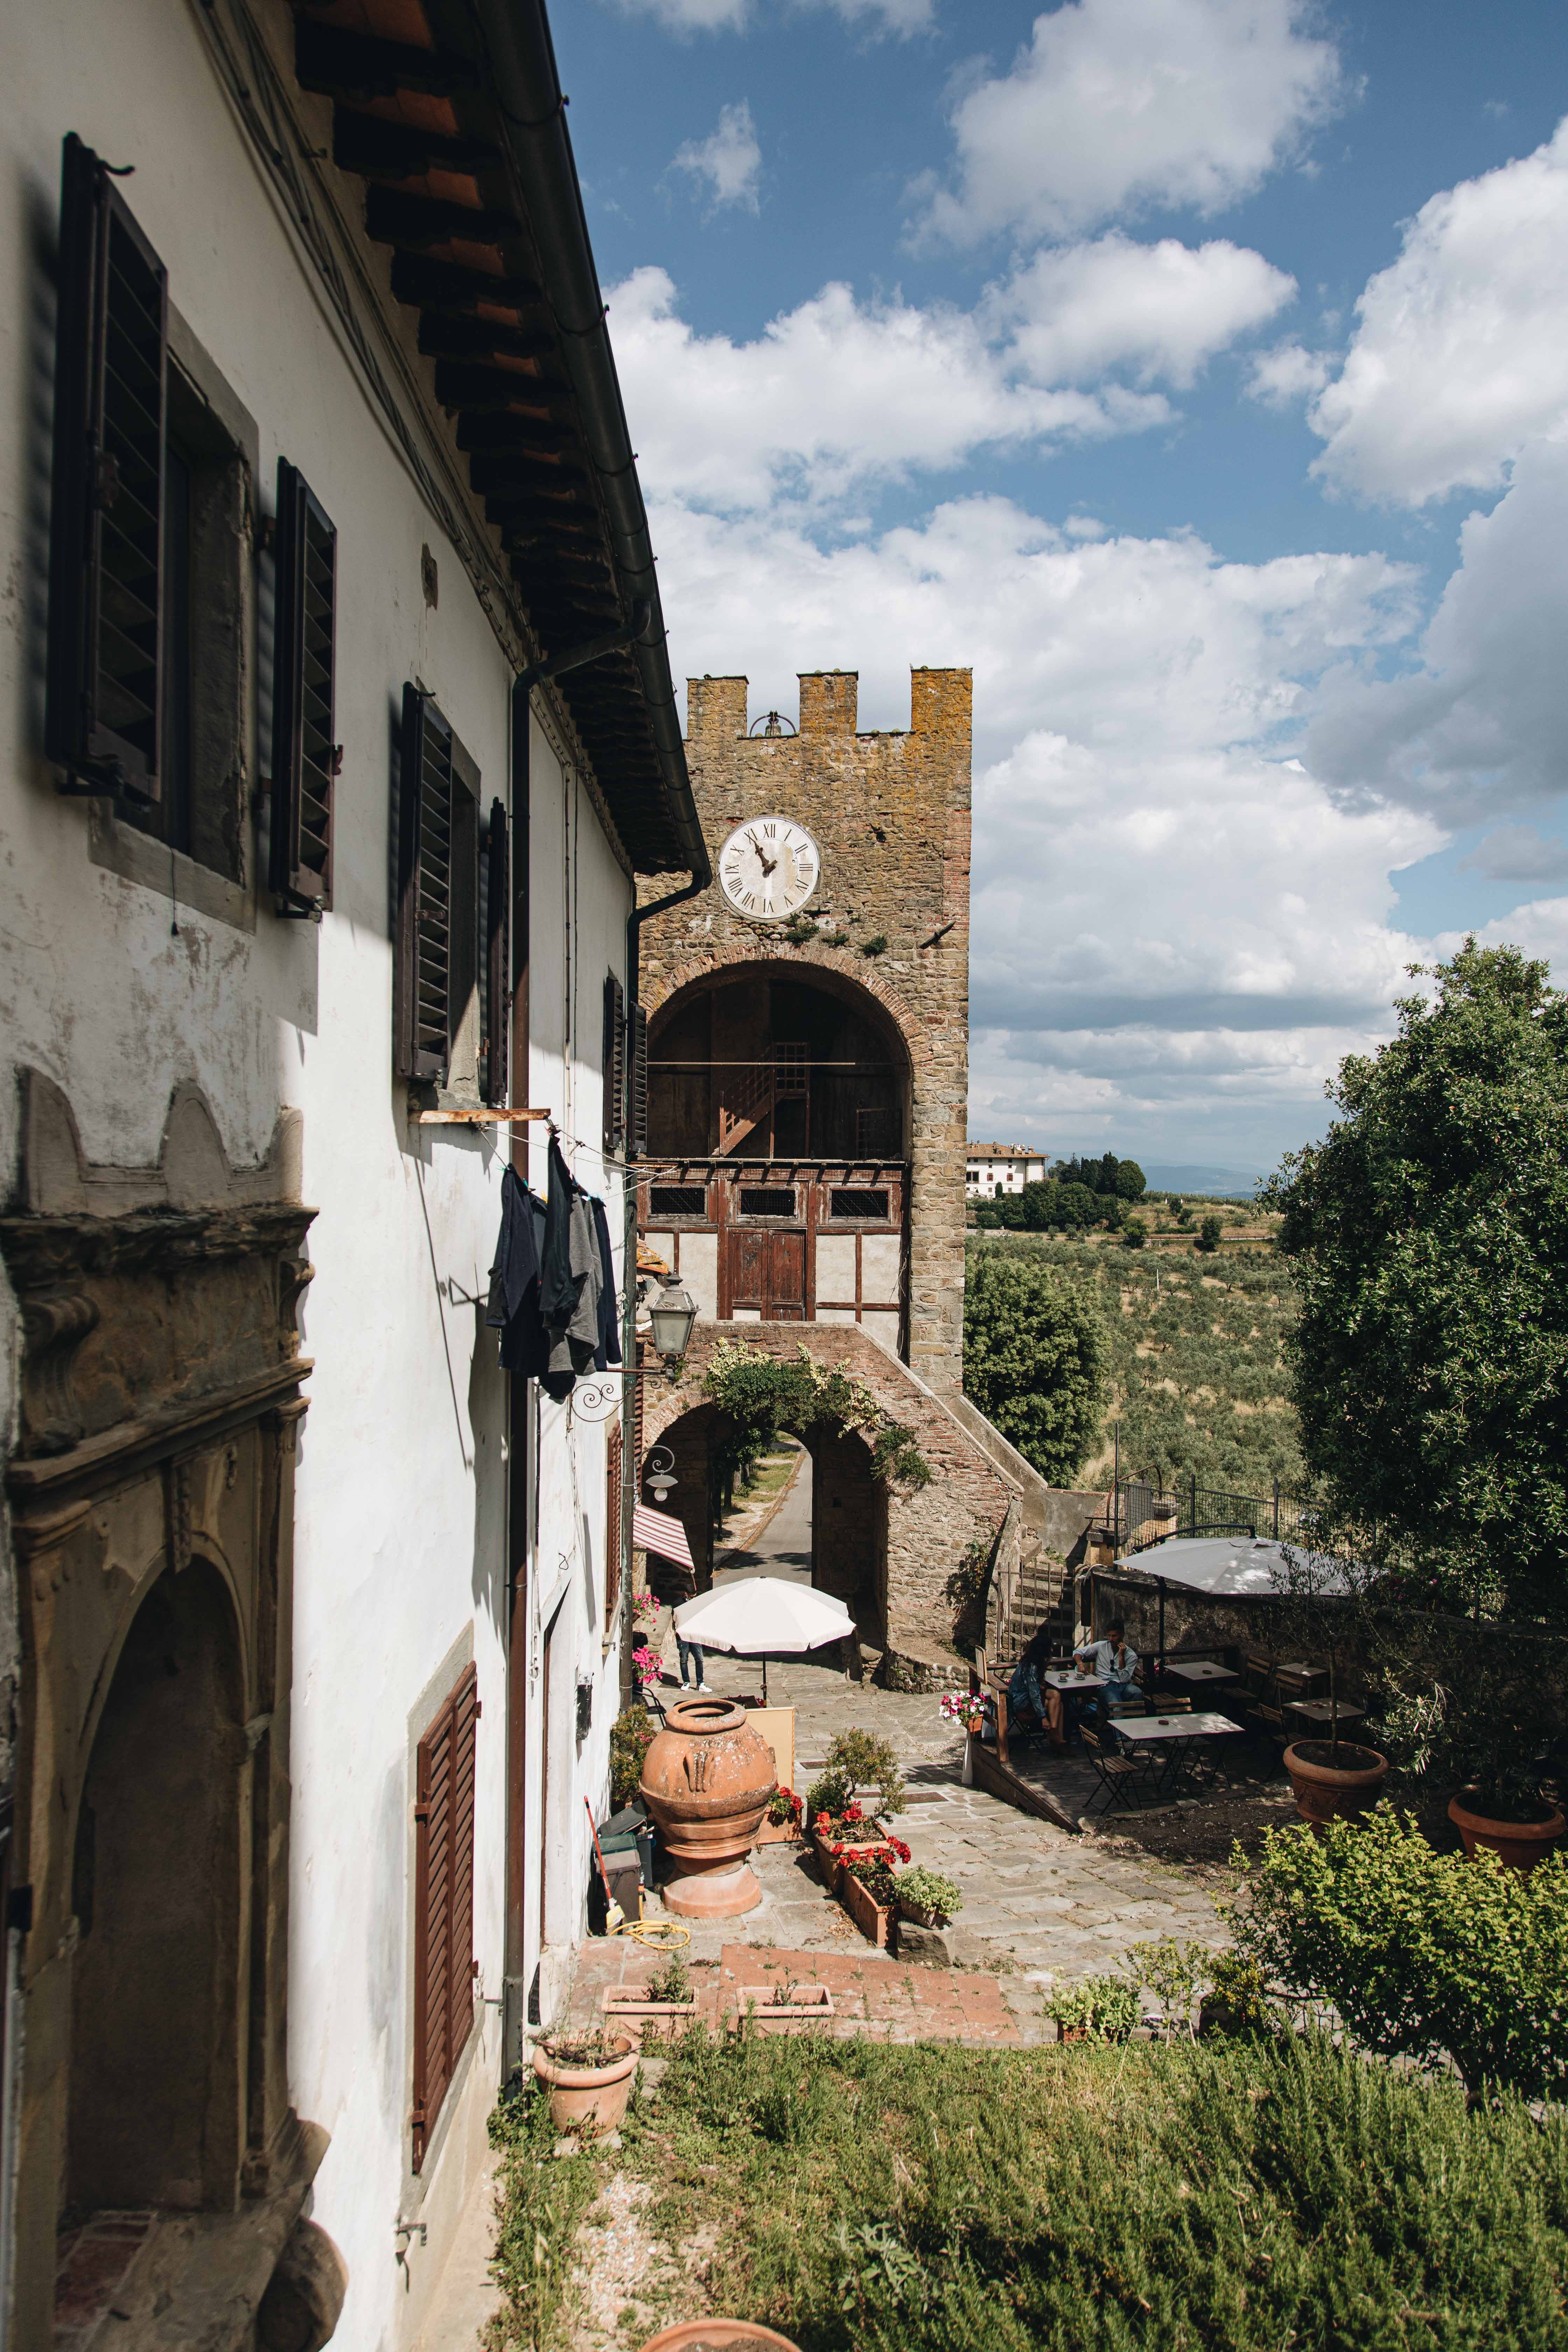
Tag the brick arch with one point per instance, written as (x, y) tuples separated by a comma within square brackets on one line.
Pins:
[(843, 962)]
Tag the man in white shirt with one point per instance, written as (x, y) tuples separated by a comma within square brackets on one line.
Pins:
[(1116, 1661)]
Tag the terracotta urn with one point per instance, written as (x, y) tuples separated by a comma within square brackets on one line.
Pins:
[(1518, 1846), (707, 1780), (1322, 1790)]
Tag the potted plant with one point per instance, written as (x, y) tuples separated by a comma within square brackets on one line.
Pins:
[(661, 2007), (786, 2007), (869, 1890), (839, 1824), (1094, 2008), (712, 2334), (968, 1710), (780, 1822), (1328, 1605), (588, 2076), (926, 1898), (1473, 1729)]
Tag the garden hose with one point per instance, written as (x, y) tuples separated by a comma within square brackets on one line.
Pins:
[(661, 1935)]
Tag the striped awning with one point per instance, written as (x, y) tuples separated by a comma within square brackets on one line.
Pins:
[(657, 1531)]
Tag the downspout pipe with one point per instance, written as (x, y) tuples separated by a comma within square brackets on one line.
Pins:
[(533, 118)]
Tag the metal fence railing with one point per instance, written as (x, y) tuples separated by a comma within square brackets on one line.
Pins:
[(1145, 1513)]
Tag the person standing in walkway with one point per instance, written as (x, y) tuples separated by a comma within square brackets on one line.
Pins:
[(693, 1666)]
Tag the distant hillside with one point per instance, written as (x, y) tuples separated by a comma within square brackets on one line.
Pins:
[(1215, 1183), (1198, 1377)]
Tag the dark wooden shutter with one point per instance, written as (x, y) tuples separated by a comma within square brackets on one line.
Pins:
[(498, 959), (444, 1903), (636, 1046), (437, 959), (613, 1531), (106, 524), (613, 1065), (305, 758)]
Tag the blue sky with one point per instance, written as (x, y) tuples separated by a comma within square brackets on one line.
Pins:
[(1198, 370)]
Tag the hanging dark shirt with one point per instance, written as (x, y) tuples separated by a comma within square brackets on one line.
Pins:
[(608, 1351), (514, 1307), (559, 1285)]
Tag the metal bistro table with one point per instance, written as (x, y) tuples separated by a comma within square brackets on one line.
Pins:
[(1062, 1678), (1199, 1670), (1171, 1737)]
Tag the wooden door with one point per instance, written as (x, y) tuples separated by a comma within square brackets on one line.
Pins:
[(767, 1273)]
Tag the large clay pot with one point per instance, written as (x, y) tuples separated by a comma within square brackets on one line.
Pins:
[(717, 2336), (580, 2094), (1322, 1790), (1518, 1846), (707, 1780)]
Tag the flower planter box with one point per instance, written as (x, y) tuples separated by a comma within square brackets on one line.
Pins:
[(780, 1832), (918, 1915), (832, 1870), (874, 1923), (759, 2013), (648, 2020)]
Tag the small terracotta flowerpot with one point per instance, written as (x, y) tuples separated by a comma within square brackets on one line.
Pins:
[(1518, 1846), (1324, 1790), (649, 2021), (718, 2336), (758, 2012), (579, 2094)]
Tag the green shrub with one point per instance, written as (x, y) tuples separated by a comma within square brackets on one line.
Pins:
[(1034, 1353), (1223, 2197), (1105, 2007), (1175, 1972), (1209, 1234), (867, 1762), (931, 1892), (1239, 1998), (631, 1735), (828, 1794), (541, 2202), (1424, 1956)]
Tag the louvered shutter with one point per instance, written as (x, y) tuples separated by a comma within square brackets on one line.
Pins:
[(305, 758), (614, 1064), (444, 1903), (636, 1046), (613, 1531), (498, 959), (106, 523), (425, 891)]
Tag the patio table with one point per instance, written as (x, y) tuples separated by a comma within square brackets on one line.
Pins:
[(1319, 1710), (1175, 1735), (1199, 1670), (1063, 1679)]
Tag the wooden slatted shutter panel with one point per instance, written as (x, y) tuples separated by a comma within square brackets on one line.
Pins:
[(636, 1047), (305, 759), (498, 959), (613, 1065), (444, 1903), (106, 525), (424, 891), (612, 1530)]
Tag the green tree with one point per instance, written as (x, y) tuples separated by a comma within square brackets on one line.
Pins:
[(1209, 1233), (1428, 1234), (1130, 1181), (1034, 1356)]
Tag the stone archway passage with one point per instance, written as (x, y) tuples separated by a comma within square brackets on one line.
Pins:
[(155, 2065)]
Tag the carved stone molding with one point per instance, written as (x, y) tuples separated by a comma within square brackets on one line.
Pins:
[(54, 1325)]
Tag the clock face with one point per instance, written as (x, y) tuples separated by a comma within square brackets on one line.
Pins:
[(769, 867)]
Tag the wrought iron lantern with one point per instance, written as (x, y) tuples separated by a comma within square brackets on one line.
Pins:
[(672, 1315)]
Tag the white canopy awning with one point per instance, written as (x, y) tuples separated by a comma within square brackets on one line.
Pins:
[(1253, 1568)]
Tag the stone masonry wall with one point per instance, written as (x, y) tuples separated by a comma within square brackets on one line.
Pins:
[(928, 1530), (890, 814)]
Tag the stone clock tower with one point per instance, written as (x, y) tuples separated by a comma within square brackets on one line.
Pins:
[(808, 1021)]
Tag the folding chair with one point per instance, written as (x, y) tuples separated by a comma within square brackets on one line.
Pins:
[(1123, 1779)]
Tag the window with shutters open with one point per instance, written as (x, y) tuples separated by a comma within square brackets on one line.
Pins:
[(613, 1065), (438, 960), (305, 756), (444, 1903), (106, 567)]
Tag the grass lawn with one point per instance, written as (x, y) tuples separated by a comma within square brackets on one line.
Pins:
[(862, 2198)]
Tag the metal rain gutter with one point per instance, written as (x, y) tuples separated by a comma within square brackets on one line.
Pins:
[(528, 89)]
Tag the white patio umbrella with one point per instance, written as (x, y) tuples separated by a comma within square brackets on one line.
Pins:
[(765, 1615)]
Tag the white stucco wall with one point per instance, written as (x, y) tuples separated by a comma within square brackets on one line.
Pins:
[(401, 1517)]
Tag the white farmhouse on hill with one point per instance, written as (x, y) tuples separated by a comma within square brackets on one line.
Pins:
[(993, 1167)]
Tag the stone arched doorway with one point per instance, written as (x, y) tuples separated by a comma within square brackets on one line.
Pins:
[(777, 1182), (157, 2038), (845, 1509)]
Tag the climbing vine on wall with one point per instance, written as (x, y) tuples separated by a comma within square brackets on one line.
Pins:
[(763, 1394)]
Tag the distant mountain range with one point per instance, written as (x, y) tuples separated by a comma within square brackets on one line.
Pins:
[(1219, 1183)]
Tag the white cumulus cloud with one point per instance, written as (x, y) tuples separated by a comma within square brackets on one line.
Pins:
[(902, 17), (1161, 310), (730, 159), (1288, 374), (1460, 358), (1119, 106)]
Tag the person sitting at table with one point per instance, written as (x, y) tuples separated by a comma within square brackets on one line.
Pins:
[(1031, 1705), (1116, 1662)]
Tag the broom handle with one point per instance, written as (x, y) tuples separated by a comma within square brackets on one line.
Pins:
[(593, 1832)]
